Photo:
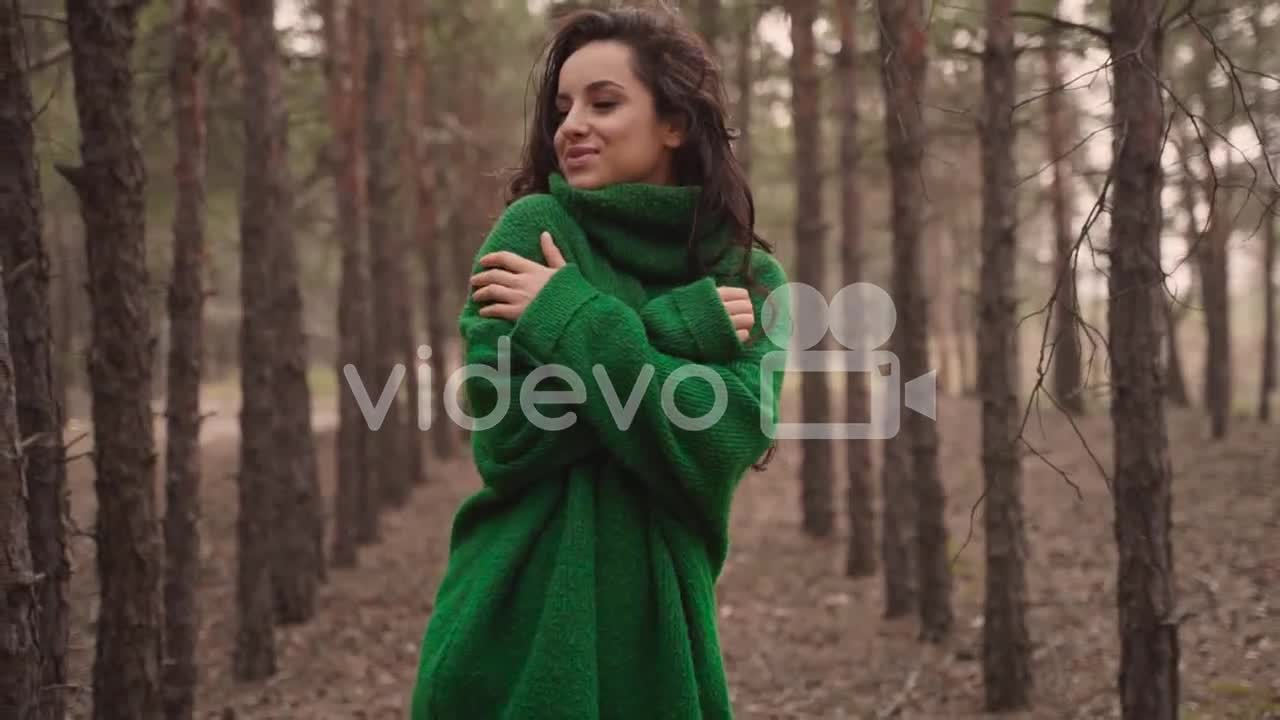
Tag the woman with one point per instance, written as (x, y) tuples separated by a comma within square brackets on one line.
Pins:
[(626, 275)]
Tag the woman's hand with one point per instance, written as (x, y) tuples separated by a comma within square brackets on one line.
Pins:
[(511, 281), (737, 302)]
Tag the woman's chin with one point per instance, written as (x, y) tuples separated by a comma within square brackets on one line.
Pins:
[(585, 180)]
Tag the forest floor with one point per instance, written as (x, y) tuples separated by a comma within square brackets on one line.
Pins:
[(800, 639)]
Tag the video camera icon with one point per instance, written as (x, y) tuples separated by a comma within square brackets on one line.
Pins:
[(797, 316)]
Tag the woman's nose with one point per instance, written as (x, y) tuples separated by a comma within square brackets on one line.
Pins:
[(574, 125)]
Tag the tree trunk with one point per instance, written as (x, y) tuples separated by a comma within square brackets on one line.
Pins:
[(1177, 384), (300, 564), (60, 315), (1006, 643), (1176, 389), (368, 509), (20, 658), (903, 63), (462, 220), (746, 83), (62, 300), (816, 469), (411, 410), (1068, 378), (1270, 239), (423, 175), (483, 204), (444, 439), (1145, 583), (1211, 261), (186, 347), (1267, 381), (435, 262), (456, 250), (263, 468), (19, 653), (343, 38), (861, 560), (1208, 251), (897, 523), (24, 265), (110, 185), (389, 461), (415, 215), (297, 566)]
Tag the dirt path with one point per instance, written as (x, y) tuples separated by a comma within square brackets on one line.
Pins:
[(800, 640)]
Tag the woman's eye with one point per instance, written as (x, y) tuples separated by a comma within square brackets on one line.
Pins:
[(605, 105)]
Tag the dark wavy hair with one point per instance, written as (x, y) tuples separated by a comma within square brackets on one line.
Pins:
[(677, 67)]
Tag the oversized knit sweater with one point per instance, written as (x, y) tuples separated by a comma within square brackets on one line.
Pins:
[(581, 577)]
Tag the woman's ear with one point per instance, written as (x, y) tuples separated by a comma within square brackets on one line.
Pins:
[(674, 131)]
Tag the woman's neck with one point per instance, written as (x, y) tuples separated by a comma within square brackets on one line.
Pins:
[(644, 229)]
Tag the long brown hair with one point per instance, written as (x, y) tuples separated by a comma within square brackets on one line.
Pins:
[(677, 67)]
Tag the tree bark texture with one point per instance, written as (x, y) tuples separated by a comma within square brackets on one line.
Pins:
[(37, 397), (1006, 642), (110, 184), (186, 348), (1068, 378), (903, 63), (861, 557), (1145, 583), (343, 35), (817, 467)]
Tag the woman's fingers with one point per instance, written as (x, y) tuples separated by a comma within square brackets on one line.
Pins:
[(500, 310), (487, 277), (507, 260), (551, 252), (496, 293), (737, 303)]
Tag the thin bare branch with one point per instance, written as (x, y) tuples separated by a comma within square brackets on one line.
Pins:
[(1056, 21)]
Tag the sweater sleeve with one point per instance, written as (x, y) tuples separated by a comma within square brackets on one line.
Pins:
[(690, 322), (514, 451), (696, 428)]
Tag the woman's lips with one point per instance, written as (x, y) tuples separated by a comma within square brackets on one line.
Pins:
[(579, 157)]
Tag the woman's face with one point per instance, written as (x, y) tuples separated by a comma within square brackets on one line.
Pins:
[(609, 130)]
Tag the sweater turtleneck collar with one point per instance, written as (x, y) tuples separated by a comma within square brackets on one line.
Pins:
[(642, 229)]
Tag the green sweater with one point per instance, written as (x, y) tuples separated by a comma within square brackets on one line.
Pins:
[(581, 578)]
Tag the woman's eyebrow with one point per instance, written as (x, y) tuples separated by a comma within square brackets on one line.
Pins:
[(600, 84), (596, 85)]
